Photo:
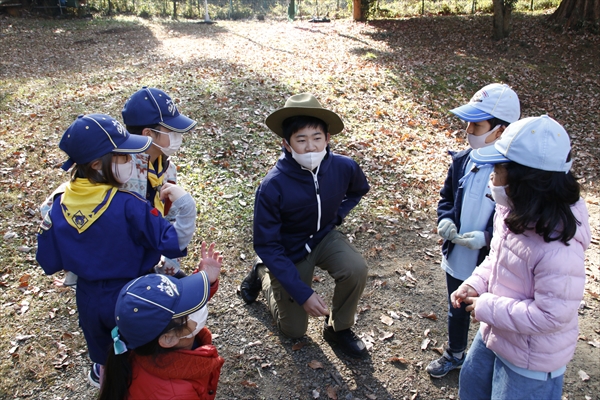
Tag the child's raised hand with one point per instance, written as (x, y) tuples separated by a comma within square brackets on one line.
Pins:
[(461, 294), (210, 262), (171, 191)]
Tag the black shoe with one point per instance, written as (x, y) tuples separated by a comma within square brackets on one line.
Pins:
[(350, 344), (251, 285)]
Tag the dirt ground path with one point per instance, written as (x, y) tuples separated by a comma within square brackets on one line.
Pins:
[(382, 79)]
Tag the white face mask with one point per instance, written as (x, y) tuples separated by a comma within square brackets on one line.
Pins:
[(477, 142), (199, 317), (309, 160), (123, 172), (499, 195), (175, 139)]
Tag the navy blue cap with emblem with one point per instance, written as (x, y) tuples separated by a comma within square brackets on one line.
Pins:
[(93, 135), (146, 305), (151, 107)]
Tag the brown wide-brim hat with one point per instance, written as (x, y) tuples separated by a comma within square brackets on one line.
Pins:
[(304, 104)]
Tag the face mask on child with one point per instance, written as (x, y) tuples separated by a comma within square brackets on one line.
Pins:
[(175, 139), (123, 172), (499, 195), (477, 142), (199, 317), (309, 160)]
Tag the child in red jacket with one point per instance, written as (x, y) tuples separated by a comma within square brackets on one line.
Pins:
[(162, 350)]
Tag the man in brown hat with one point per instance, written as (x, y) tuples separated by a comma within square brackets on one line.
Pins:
[(297, 207)]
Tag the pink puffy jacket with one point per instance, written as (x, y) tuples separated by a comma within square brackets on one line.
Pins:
[(530, 292)]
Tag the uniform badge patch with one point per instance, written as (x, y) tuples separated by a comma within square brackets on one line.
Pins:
[(79, 219)]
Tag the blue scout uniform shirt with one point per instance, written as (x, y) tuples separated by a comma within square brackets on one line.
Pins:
[(125, 242)]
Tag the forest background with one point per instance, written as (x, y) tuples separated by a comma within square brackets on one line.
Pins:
[(393, 81)]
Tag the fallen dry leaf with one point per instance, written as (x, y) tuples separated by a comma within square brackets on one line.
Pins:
[(298, 346), (584, 377), (431, 316), (332, 393), (425, 343), (386, 320), (249, 384), (314, 364)]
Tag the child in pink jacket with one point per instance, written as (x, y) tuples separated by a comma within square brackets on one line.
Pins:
[(526, 293)]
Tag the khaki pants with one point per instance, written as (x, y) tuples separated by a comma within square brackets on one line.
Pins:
[(336, 255)]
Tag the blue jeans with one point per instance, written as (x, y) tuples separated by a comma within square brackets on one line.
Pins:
[(458, 319), (485, 376)]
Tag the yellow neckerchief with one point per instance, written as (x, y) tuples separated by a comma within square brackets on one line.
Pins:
[(156, 181), (83, 202)]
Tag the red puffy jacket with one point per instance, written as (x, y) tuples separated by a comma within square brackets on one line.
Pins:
[(179, 375)]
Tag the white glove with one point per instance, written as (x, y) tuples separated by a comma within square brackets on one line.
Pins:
[(473, 240), (447, 229)]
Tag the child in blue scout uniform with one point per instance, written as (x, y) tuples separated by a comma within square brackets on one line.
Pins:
[(465, 210), (151, 112), (148, 112), (162, 348), (297, 207), (104, 235)]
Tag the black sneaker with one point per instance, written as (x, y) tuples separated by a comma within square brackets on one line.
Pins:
[(251, 285), (94, 375), (349, 343)]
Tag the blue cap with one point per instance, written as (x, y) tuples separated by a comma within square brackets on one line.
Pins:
[(93, 135), (150, 107), (146, 305)]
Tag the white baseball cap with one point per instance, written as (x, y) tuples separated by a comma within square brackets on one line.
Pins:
[(492, 101), (536, 142)]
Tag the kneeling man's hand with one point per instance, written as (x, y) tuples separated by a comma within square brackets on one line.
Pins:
[(315, 306)]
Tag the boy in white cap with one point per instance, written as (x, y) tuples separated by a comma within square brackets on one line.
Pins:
[(465, 210), (297, 207)]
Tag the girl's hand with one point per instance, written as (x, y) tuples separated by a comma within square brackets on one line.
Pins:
[(461, 294), (171, 191), (210, 262), (471, 301)]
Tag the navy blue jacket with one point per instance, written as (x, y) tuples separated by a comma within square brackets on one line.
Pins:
[(287, 208), (450, 204)]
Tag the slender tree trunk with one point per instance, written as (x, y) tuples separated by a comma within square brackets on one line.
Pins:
[(573, 14), (502, 19), (357, 14), (498, 19), (174, 9)]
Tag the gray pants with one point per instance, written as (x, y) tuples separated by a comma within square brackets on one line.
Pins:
[(336, 255)]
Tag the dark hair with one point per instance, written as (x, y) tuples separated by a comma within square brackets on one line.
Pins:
[(118, 368), (497, 121), (105, 175), (543, 198), (292, 125), (137, 130)]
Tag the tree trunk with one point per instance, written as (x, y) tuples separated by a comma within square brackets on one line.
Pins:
[(498, 19), (174, 9), (573, 14), (357, 10), (507, 20)]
